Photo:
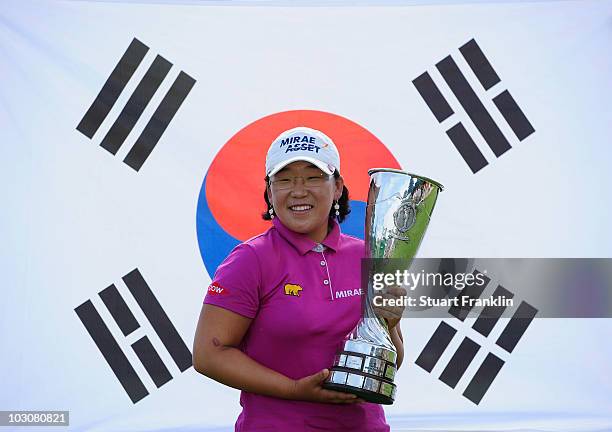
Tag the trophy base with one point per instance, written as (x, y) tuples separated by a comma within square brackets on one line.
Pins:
[(365, 394), (366, 370)]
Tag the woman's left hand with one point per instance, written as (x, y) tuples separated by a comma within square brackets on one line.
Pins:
[(391, 313)]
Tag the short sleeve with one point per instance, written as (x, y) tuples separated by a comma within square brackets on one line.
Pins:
[(235, 285)]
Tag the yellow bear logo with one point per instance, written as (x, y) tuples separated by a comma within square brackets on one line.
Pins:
[(292, 290)]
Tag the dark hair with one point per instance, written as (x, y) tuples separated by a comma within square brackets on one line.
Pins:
[(344, 209)]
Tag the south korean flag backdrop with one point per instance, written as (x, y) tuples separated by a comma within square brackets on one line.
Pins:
[(133, 136)]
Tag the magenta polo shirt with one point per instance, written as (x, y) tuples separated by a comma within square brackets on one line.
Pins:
[(304, 298)]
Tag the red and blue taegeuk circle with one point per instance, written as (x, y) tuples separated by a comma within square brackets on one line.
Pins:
[(231, 200)]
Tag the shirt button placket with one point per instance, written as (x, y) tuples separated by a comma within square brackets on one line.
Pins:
[(327, 280), (325, 268)]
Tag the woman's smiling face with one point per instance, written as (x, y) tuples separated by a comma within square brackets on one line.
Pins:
[(302, 196)]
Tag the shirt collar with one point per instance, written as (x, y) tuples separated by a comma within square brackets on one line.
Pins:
[(333, 238), (302, 243)]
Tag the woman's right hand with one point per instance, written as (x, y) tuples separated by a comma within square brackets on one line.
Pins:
[(310, 389)]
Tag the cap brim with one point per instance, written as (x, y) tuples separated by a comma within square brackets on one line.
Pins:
[(321, 165)]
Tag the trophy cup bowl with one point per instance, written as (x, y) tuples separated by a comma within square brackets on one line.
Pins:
[(397, 215)]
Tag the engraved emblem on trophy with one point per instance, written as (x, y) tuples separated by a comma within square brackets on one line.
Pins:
[(404, 217), (398, 211)]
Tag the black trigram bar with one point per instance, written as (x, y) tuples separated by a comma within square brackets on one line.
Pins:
[(151, 361), (513, 114), (460, 361), (112, 88), (483, 378), (473, 106), (111, 351), (120, 311), (432, 96), (160, 120), (136, 104), (514, 330), (435, 346), (490, 314), (473, 292), (479, 64), (159, 320), (467, 148)]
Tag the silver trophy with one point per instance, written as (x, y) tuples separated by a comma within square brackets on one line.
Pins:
[(397, 215)]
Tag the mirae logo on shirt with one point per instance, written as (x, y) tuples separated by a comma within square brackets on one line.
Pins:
[(293, 290), (348, 293)]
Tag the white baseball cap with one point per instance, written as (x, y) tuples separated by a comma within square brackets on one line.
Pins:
[(302, 144)]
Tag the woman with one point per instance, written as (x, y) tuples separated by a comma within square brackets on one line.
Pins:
[(281, 303)]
